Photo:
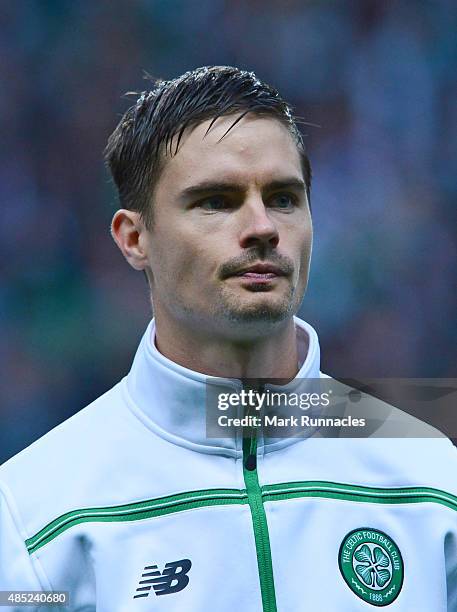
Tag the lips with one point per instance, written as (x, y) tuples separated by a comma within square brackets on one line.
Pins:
[(260, 271)]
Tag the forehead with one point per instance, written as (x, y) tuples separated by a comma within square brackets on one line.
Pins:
[(256, 149)]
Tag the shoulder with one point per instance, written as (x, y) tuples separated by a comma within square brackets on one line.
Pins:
[(69, 440), (59, 470), (396, 448), (383, 418)]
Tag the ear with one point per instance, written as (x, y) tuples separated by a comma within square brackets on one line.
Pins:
[(129, 233)]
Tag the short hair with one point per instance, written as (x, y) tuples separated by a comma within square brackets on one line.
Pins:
[(137, 148)]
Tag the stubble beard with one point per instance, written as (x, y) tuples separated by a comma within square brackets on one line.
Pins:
[(236, 310), (256, 308)]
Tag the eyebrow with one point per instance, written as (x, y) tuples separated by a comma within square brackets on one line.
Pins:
[(231, 187)]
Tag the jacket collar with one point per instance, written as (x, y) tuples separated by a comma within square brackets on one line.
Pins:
[(171, 399)]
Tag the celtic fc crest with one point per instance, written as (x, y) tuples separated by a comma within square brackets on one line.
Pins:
[(371, 565)]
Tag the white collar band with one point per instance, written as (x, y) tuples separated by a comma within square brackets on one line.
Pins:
[(171, 399)]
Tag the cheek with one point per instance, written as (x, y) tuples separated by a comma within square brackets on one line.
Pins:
[(302, 243), (307, 239), (304, 247), (307, 245), (178, 262)]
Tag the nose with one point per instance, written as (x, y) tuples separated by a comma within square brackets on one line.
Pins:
[(257, 227)]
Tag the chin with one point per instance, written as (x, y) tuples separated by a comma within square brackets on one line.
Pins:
[(261, 312), (257, 310)]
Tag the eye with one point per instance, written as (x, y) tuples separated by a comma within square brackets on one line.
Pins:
[(284, 201), (214, 203)]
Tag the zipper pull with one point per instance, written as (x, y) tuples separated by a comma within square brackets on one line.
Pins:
[(251, 462)]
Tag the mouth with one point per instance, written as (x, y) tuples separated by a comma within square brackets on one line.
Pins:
[(260, 273)]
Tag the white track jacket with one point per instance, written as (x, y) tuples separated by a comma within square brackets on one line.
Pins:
[(129, 507)]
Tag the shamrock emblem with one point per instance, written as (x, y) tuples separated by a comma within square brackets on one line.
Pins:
[(373, 567)]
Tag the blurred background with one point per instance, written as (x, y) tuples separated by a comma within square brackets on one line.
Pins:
[(378, 77)]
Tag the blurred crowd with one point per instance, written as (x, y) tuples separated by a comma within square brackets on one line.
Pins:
[(374, 83)]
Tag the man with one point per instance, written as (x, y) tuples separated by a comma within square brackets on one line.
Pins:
[(129, 505)]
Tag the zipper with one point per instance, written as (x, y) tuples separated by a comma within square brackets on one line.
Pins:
[(259, 520)]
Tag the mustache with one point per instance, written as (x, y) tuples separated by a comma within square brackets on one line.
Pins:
[(254, 256)]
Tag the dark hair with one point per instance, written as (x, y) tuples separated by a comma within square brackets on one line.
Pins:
[(137, 148)]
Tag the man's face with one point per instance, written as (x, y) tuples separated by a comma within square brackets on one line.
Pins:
[(230, 244)]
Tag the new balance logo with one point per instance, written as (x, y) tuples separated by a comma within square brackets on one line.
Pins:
[(174, 578)]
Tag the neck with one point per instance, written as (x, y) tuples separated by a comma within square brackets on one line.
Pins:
[(274, 355)]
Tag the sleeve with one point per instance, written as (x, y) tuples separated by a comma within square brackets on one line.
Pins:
[(450, 551), (16, 569)]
